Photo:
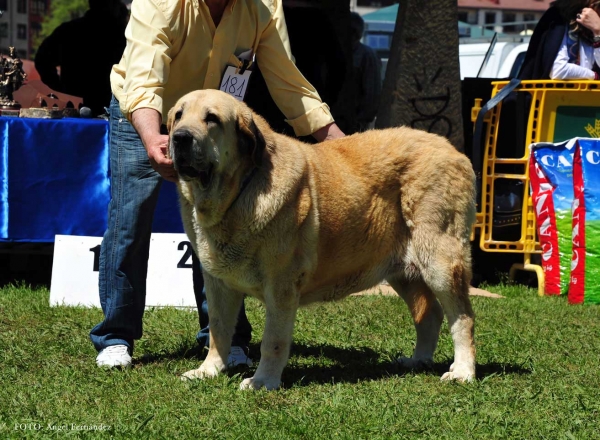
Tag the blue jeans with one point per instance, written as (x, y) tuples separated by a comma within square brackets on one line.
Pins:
[(126, 243)]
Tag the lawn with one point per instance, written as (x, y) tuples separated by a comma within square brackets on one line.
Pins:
[(538, 375)]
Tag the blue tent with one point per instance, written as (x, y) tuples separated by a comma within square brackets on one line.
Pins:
[(384, 20), (387, 14)]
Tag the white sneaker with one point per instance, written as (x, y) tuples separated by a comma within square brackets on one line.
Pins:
[(237, 356), (114, 356)]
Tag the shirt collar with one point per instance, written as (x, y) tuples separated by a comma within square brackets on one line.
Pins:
[(232, 3)]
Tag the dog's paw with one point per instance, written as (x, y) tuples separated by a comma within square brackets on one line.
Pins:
[(255, 383), (415, 364), (192, 375), (460, 374), (204, 372)]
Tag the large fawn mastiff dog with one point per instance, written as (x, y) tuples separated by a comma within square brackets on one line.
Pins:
[(291, 224)]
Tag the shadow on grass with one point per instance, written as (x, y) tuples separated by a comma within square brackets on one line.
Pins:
[(326, 364), (185, 351), (352, 365)]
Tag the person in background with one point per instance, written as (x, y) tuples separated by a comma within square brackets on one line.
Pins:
[(175, 47), (319, 55), (565, 43), (367, 75), (77, 57)]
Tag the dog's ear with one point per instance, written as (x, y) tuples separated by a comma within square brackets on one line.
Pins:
[(250, 140), (170, 119)]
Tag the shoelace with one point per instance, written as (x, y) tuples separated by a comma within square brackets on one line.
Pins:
[(236, 351), (116, 349)]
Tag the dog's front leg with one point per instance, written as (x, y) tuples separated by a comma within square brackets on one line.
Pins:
[(223, 308), (276, 342)]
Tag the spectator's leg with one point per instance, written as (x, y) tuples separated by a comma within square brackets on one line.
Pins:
[(203, 335), (243, 329)]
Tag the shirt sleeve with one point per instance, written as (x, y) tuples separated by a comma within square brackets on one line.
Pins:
[(562, 69), (294, 95), (149, 57)]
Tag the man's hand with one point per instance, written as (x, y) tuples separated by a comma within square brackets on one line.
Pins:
[(331, 131), (157, 147), (147, 123)]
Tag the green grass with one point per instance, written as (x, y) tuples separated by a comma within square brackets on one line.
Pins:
[(538, 375)]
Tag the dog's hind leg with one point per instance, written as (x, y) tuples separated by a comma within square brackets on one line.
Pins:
[(281, 306), (223, 308), (427, 317), (445, 267)]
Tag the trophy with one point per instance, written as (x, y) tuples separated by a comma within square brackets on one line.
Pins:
[(12, 77)]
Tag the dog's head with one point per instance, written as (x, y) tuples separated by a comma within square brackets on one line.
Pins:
[(214, 144)]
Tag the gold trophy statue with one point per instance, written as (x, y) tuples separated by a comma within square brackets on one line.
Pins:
[(12, 77)]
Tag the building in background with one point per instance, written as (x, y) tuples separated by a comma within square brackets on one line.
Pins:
[(38, 9), (20, 23), (504, 16), (14, 26)]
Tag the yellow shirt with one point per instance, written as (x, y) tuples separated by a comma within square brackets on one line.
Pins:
[(173, 48)]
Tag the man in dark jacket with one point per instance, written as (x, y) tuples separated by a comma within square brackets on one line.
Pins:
[(367, 75), (85, 50)]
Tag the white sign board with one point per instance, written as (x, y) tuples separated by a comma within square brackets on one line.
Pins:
[(75, 271)]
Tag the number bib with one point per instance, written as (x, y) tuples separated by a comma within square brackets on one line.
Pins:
[(235, 83)]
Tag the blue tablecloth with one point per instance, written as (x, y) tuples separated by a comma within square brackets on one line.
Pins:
[(54, 179)]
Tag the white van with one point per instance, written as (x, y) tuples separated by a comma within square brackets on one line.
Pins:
[(505, 60)]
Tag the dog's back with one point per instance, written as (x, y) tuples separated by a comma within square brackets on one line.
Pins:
[(387, 201)]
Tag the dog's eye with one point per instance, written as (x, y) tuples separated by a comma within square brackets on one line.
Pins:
[(212, 118), (178, 115)]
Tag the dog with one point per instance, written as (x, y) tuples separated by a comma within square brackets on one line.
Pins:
[(292, 223)]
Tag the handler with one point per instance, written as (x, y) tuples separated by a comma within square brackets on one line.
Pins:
[(174, 47)]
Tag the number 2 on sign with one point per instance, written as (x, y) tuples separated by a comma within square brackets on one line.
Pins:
[(183, 263), (235, 84)]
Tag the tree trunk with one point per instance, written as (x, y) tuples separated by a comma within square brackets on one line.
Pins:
[(422, 83)]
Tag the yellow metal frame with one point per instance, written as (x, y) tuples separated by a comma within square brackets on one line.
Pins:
[(547, 96)]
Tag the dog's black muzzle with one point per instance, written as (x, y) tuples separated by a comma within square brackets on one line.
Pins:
[(187, 160)]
